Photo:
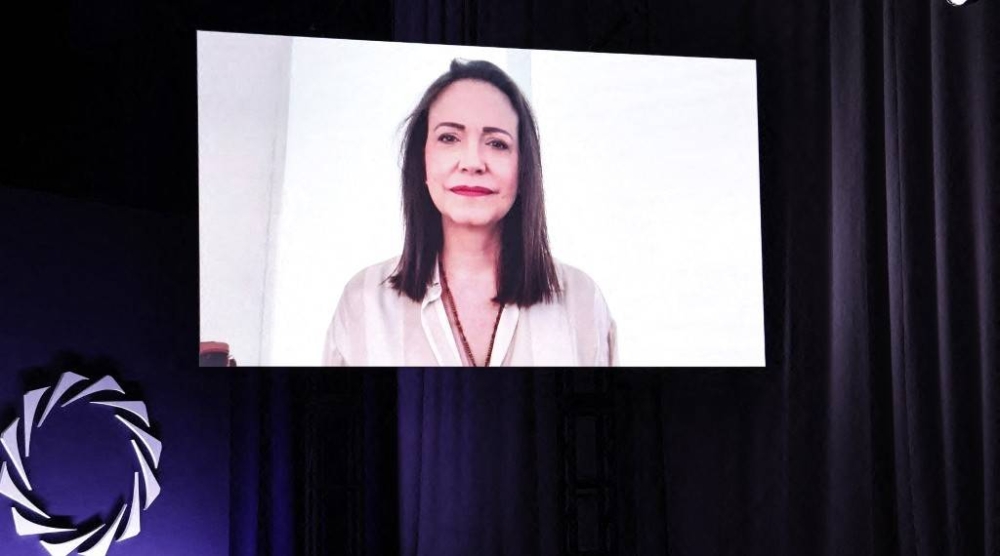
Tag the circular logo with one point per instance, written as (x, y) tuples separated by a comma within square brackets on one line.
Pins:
[(29, 516)]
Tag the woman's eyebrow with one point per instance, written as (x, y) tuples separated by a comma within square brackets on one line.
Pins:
[(461, 127), (497, 130), (450, 124)]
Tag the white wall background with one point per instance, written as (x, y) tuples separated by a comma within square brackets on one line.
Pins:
[(242, 103), (651, 184), (652, 188)]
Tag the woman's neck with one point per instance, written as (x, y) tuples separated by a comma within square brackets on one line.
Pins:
[(471, 254)]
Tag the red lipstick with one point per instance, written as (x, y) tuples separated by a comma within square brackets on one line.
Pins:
[(471, 190)]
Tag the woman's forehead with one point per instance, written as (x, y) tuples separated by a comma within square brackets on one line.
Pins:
[(473, 103)]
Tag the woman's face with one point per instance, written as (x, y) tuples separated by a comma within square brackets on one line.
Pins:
[(471, 153)]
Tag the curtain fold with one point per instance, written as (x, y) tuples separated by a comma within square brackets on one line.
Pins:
[(943, 230), (471, 478)]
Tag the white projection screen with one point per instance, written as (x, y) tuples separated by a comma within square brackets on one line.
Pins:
[(651, 186)]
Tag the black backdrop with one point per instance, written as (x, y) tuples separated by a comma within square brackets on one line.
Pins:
[(874, 427)]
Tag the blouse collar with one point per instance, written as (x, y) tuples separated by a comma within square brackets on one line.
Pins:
[(443, 341), (434, 290)]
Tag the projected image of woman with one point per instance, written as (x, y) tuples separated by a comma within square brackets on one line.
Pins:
[(475, 284)]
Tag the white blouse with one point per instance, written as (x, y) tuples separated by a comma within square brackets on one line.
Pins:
[(374, 325)]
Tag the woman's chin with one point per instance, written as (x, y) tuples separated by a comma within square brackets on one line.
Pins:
[(471, 220)]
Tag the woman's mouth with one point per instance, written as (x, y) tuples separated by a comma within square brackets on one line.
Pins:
[(471, 190)]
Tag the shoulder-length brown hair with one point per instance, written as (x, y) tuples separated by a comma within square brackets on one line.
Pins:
[(527, 274)]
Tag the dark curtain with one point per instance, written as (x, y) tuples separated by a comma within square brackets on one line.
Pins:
[(874, 427), (313, 458), (478, 467)]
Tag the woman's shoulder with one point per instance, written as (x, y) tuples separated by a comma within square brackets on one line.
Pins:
[(573, 281), (372, 276), (359, 298), (585, 307), (577, 289), (369, 281)]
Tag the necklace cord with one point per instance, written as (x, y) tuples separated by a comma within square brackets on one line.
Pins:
[(458, 323)]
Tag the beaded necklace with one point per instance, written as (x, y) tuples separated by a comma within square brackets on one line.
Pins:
[(461, 333)]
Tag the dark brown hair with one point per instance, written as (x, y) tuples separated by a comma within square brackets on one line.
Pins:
[(527, 274)]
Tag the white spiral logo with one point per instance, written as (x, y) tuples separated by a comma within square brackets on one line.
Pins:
[(35, 521)]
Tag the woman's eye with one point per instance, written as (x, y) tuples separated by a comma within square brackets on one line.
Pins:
[(498, 144), (447, 138)]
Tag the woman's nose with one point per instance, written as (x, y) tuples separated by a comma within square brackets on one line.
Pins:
[(471, 161)]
